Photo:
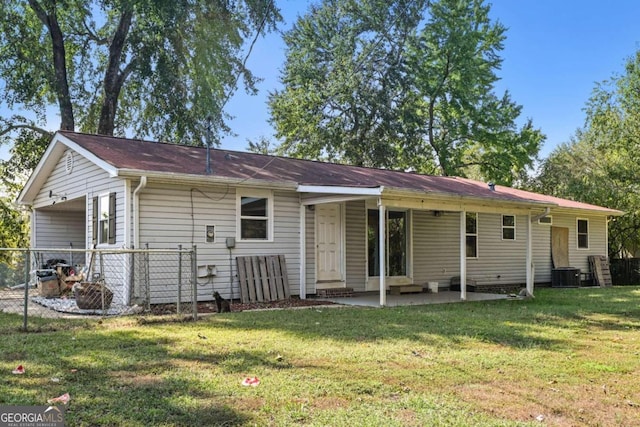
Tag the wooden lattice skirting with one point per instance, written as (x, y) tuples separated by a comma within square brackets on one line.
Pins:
[(263, 278)]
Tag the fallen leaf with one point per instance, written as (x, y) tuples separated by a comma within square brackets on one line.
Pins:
[(251, 381), (64, 399)]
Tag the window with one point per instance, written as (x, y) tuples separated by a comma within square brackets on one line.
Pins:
[(104, 219), (255, 220), (396, 249), (546, 220), (508, 227), (472, 234), (583, 234)]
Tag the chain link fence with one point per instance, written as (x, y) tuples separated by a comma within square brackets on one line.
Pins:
[(77, 282)]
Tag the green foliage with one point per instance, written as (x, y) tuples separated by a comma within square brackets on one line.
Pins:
[(157, 68), (401, 85), (600, 164)]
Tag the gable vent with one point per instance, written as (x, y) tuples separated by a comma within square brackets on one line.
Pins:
[(68, 163)]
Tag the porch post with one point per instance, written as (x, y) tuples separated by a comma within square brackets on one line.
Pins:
[(303, 251), (382, 222), (529, 258), (463, 255)]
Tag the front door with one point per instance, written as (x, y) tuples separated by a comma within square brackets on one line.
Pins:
[(329, 245)]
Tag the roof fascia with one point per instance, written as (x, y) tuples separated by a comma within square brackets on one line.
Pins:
[(175, 178), (352, 191), (462, 200), (578, 211)]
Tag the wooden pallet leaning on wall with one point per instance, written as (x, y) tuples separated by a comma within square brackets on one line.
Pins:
[(600, 269), (263, 278)]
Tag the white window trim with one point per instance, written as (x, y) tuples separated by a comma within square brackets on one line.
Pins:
[(578, 235), (546, 223), (264, 194), (102, 196), (508, 226), (474, 234)]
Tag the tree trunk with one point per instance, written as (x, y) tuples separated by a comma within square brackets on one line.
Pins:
[(114, 78), (61, 83)]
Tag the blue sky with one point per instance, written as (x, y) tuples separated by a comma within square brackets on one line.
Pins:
[(555, 52)]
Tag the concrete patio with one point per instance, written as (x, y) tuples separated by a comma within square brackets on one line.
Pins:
[(372, 299)]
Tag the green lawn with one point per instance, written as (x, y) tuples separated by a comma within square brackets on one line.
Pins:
[(568, 357)]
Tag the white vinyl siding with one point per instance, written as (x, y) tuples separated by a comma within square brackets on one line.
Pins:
[(499, 261), (436, 247), (53, 230), (167, 220), (356, 249), (85, 181), (541, 252), (310, 250), (578, 258)]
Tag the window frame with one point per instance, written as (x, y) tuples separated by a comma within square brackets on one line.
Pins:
[(104, 216), (508, 227), (475, 235), (546, 223), (578, 234), (269, 218)]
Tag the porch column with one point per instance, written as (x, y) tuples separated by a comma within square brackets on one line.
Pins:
[(303, 251), (463, 255), (382, 249), (529, 258)]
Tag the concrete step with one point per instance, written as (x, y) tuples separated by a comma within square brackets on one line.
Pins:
[(404, 289)]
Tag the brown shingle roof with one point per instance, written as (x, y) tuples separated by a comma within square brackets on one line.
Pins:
[(149, 156)]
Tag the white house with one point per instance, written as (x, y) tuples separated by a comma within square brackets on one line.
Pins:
[(325, 218)]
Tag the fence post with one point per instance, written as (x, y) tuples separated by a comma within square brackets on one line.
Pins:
[(194, 282), (147, 284), (179, 279), (27, 268)]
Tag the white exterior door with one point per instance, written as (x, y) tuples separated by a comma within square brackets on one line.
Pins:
[(329, 243)]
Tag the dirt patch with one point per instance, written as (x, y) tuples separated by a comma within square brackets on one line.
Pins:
[(210, 306)]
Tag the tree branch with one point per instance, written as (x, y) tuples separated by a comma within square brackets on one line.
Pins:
[(11, 128)]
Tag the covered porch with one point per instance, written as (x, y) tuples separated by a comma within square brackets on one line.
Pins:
[(428, 228), (372, 299)]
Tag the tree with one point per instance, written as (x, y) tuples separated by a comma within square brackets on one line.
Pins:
[(262, 145), (402, 84), (155, 68), (343, 78), (601, 163)]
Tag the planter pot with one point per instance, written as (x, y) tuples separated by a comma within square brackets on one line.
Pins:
[(89, 296)]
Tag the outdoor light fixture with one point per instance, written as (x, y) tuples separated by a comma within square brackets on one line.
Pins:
[(57, 196)]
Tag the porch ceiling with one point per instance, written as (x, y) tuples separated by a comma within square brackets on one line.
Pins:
[(74, 205)]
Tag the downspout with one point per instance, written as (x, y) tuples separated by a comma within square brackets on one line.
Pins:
[(136, 211), (542, 215)]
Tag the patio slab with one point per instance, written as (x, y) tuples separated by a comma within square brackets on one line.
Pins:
[(372, 299)]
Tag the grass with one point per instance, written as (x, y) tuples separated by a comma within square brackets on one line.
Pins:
[(569, 357)]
